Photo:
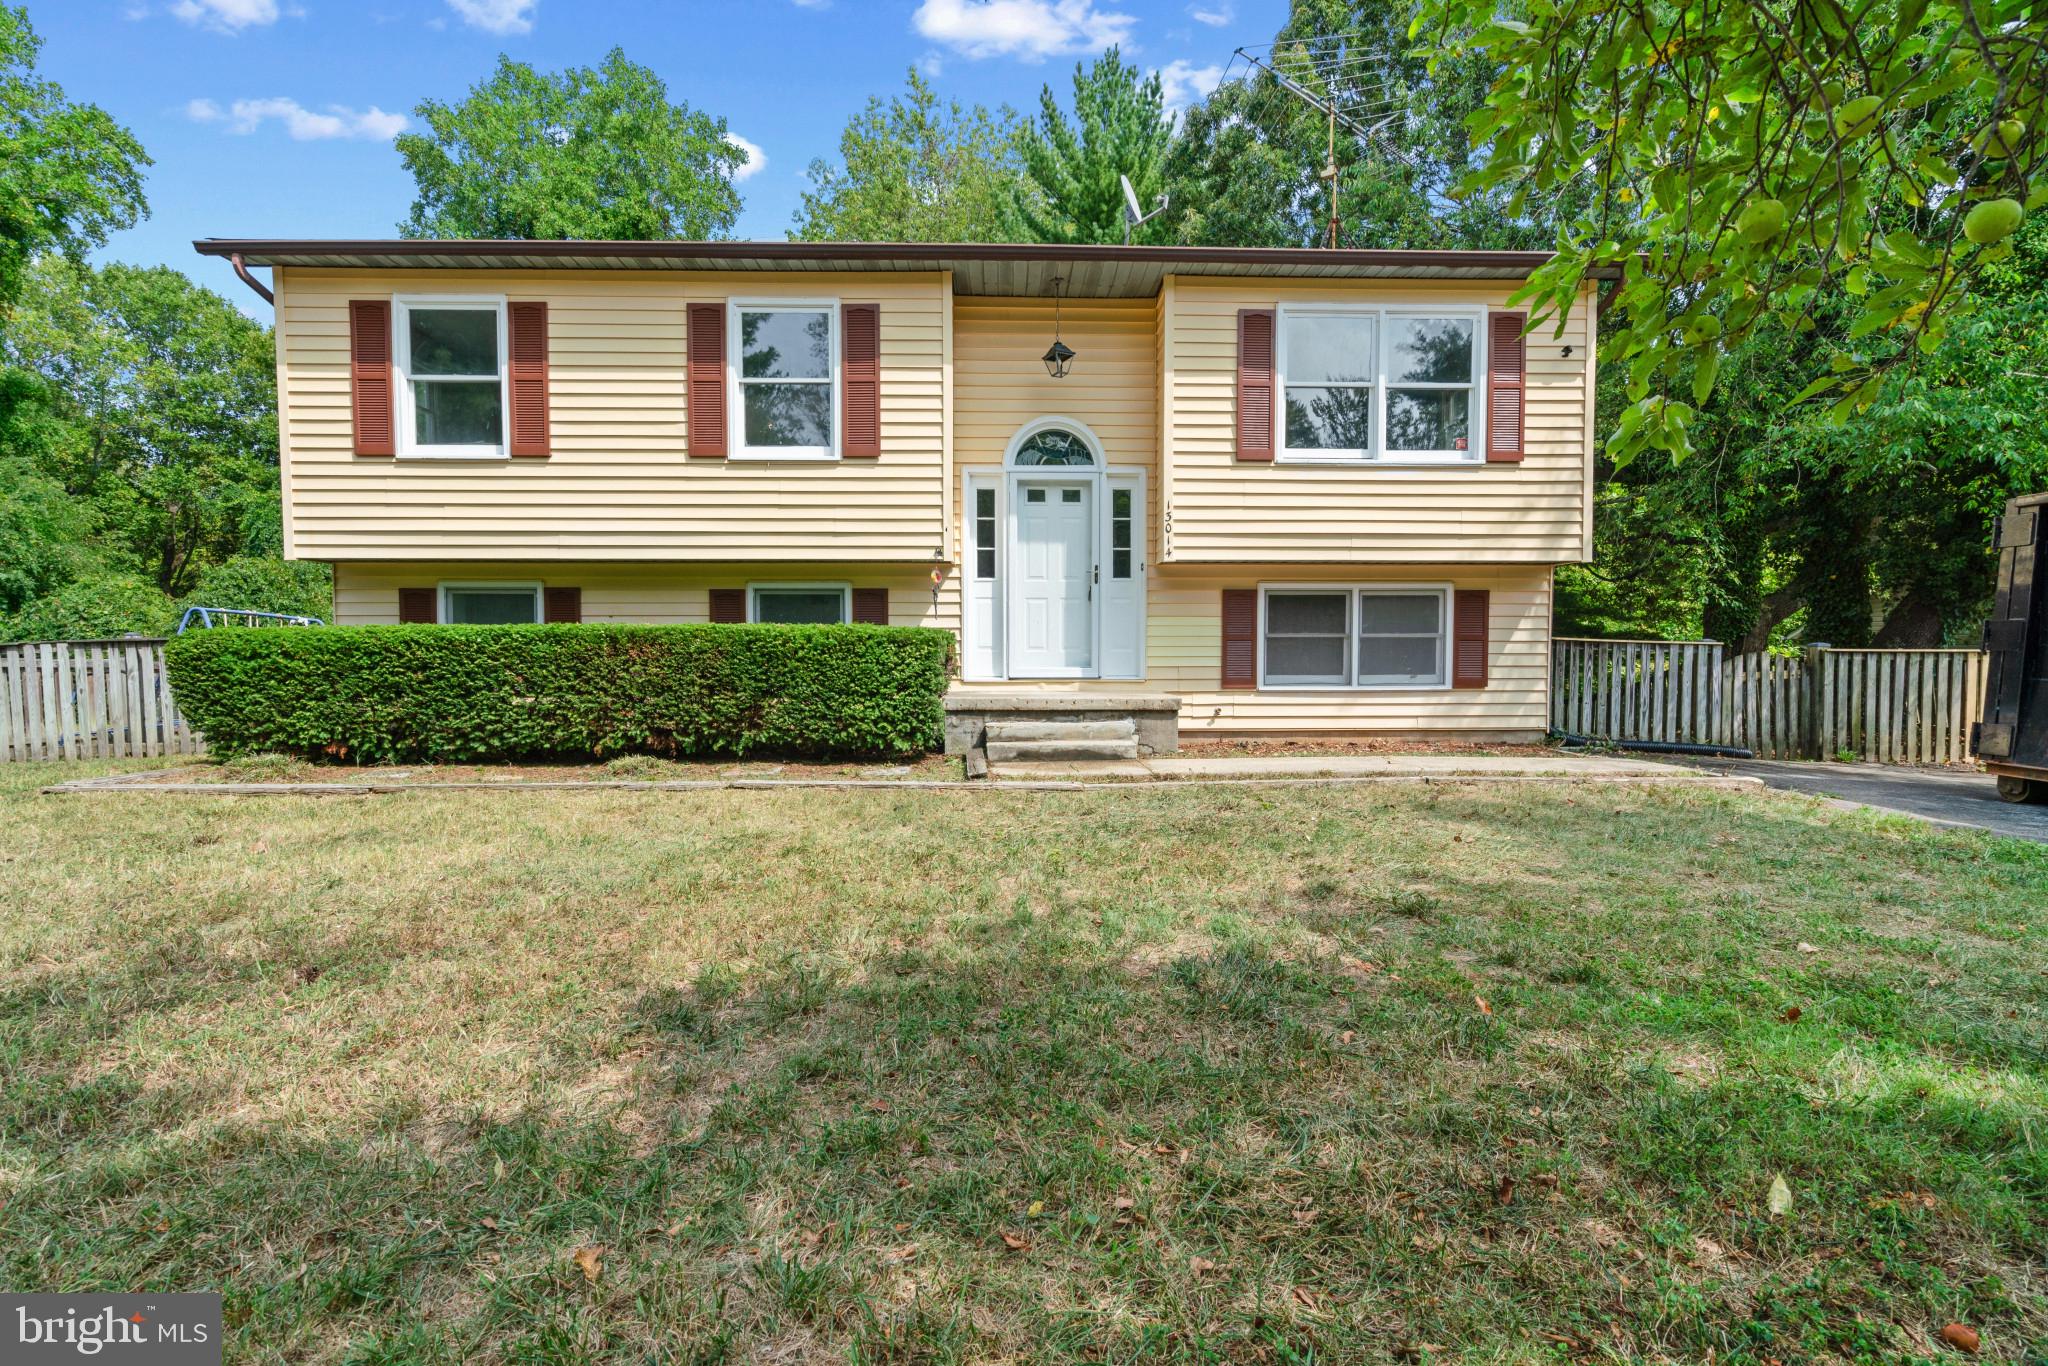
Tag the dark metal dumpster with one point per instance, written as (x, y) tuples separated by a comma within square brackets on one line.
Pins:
[(2012, 739)]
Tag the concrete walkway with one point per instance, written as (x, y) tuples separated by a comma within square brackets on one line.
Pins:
[(1366, 767)]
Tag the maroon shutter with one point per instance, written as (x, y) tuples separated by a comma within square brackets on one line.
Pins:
[(416, 607), (528, 325), (1240, 637), (705, 397), (1255, 385), (369, 376), (561, 605), (729, 606), (871, 606), (1505, 386), (860, 380), (1469, 610)]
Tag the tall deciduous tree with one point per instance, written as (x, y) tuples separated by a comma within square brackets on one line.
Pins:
[(1756, 160), (163, 413), (1119, 128), (915, 170), (69, 174), (584, 153)]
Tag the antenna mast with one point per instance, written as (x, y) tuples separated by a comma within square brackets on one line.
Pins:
[(1325, 105)]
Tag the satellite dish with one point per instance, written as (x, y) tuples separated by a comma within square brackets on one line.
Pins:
[(1134, 215)]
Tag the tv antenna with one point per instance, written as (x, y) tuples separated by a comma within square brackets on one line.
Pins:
[(1135, 217), (1330, 107)]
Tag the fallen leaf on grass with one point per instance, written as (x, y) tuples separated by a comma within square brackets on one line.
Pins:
[(1484, 1008), (1790, 1015), (1305, 1216), (1016, 1242), (1780, 1198), (1961, 1336), (1202, 1266), (1304, 1297), (905, 1253), (590, 1261), (1034, 1209), (1124, 1202), (1505, 1191), (1805, 947)]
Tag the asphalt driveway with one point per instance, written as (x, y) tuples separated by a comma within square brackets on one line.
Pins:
[(1954, 796)]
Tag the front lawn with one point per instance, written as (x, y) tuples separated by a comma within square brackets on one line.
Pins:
[(1265, 1075)]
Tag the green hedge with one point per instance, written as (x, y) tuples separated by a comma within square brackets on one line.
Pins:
[(382, 694)]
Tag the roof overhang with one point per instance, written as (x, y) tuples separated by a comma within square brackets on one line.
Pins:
[(978, 268)]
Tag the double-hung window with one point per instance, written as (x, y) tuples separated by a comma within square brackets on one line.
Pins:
[(786, 378), (1398, 385), (452, 381), (1377, 637)]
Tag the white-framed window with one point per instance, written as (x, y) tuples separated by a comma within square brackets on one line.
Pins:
[(1352, 636), (452, 378), (1395, 385), (785, 379), (799, 604), (490, 604)]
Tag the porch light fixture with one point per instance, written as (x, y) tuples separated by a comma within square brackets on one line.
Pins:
[(1060, 354)]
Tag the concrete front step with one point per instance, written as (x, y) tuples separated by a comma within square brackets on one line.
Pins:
[(1059, 751), (1005, 731)]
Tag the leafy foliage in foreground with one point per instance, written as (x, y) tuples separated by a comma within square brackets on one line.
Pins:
[(382, 693), (1748, 158)]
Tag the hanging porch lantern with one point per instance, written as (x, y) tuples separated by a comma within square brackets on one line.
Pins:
[(1059, 355)]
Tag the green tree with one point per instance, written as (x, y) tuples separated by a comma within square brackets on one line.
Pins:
[(583, 153), (1247, 166), (265, 584), (914, 170), (163, 409), (97, 607), (1756, 161), (1791, 526), (69, 174), (1071, 191)]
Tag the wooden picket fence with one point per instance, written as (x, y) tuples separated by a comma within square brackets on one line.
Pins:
[(1893, 706), (89, 699)]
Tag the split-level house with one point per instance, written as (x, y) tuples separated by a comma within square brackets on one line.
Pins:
[(1270, 492)]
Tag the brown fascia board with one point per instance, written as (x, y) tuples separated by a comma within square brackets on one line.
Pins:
[(856, 252)]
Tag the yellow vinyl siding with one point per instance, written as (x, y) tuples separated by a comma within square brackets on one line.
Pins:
[(619, 484), (1184, 656), (1218, 509), (367, 594), (1000, 383)]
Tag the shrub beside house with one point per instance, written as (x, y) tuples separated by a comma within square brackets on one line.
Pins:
[(385, 694)]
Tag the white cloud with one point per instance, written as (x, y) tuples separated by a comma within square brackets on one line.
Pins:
[(1183, 83), (1030, 30), (756, 158), (303, 124), (1215, 16), (497, 16), (230, 16)]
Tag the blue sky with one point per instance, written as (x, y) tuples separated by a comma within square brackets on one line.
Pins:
[(274, 118)]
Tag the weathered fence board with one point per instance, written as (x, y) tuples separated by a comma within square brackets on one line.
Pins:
[(1894, 706), (88, 699)]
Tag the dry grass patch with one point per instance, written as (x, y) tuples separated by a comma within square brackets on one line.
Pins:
[(1174, 1075)]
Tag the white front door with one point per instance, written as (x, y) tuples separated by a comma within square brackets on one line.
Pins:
[(1052, 607)]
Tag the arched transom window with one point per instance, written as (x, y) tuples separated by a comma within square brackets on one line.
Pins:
[(1054, 446)]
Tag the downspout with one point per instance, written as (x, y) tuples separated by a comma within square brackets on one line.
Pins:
[(243, 271)]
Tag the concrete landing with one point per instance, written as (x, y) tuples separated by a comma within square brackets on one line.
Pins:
[(1394, 767)]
